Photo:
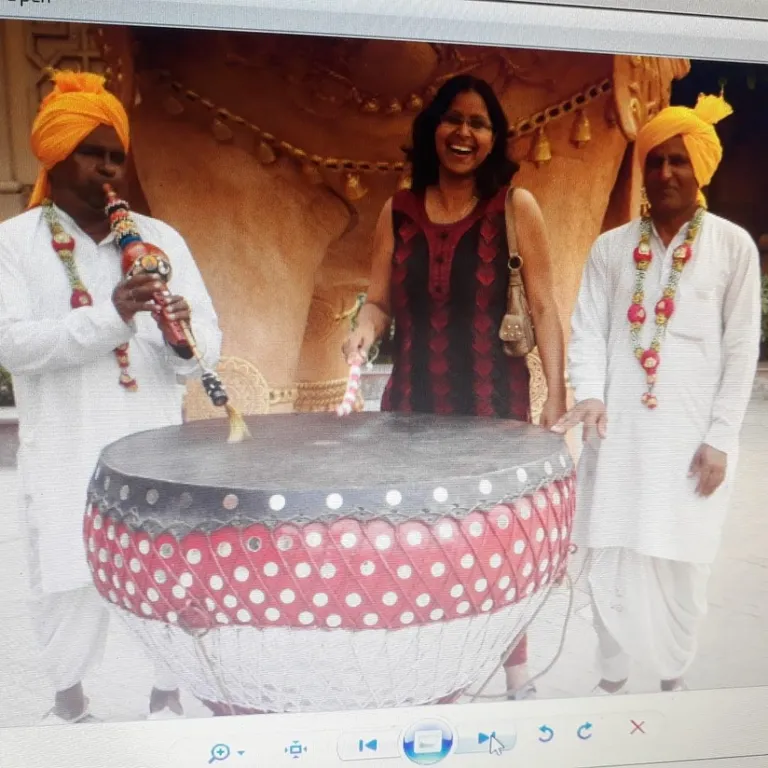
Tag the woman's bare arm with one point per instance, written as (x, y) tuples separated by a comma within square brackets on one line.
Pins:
[(533, 245), (374, 318)]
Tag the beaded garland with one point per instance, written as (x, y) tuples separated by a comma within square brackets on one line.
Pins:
[(650, 358), (64, 245)]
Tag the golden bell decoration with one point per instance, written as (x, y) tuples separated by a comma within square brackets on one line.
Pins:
[(266, 154), (370, 107), (404, 182), (222, 131), (353, 187), (414, 103), (582, 130), (173, 106), (394, 107), (541, 152)]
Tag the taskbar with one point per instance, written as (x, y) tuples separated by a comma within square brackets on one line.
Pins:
[(605, 732)]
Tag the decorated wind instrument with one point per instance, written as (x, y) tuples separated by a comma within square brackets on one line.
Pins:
[(139, 257)]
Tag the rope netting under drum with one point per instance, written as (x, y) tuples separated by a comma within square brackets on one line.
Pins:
[(213, 656)]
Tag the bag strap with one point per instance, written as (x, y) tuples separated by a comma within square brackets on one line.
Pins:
[(515, 261)]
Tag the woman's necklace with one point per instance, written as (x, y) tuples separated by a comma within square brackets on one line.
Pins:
[(64, 245), (650, 358)]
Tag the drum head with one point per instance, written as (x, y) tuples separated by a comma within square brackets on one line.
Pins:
[(304, 466)]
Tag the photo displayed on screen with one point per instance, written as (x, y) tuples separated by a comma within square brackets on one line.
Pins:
[(344, 374)]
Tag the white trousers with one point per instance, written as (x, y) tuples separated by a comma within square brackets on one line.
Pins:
[(647, 609), (72, 629)]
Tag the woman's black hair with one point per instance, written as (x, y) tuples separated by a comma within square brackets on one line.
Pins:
[(495, 172)]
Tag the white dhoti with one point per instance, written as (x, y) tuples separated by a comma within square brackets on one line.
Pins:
[(645, 608), (71, 629)]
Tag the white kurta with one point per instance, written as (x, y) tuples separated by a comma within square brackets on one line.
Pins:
[(634, 489), (65, 373)]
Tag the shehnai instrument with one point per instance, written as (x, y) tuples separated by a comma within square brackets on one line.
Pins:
[(140, 257)]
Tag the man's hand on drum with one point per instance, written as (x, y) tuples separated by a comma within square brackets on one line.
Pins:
[(137, 294), (709, 466), (590, 413), (358, 344)]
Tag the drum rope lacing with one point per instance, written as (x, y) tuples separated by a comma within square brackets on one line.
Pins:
[(155, 525), (571, 582)]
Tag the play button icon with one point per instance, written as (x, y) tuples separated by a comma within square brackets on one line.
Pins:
[(485, 740)]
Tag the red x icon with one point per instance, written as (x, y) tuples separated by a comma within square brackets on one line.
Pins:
[(637, 727)]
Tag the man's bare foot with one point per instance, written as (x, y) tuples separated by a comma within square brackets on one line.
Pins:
[(71, 705), (611, 687), (160, 700), (670, 686)]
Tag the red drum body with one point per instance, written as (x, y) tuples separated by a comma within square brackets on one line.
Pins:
[(379, 560)]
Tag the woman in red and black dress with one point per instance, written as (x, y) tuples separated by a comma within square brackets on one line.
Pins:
[(440, 272)]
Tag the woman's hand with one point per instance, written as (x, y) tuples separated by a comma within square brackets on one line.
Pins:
[(358, 344), (553, 410)]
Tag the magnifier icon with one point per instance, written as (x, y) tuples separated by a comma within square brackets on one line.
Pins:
[(219, 753)]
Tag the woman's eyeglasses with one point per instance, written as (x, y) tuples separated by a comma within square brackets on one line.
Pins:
[(474, 122)]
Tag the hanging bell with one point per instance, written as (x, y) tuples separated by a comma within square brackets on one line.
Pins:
[(173, 106), (353, 187), (542, 151), (222, 131), (394, 107), (266, 154), (414, 103), (370, 106), (582, 130)]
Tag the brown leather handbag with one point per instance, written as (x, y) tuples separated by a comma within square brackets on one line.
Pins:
[(516, 330)]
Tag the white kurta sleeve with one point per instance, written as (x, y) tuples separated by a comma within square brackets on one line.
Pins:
[(30, 346), (187, 281), (740, 349), (588, 346)]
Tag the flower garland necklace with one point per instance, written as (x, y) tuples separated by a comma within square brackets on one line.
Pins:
[(64, 245), (665, 307)]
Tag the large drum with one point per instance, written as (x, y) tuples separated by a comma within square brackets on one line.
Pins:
[(379, 560)]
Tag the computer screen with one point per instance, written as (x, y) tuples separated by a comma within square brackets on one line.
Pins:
[(382, 384)]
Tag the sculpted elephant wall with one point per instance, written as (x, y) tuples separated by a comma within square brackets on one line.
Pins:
[(273, 155)]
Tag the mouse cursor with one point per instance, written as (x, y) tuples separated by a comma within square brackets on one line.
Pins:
[(495, 747)]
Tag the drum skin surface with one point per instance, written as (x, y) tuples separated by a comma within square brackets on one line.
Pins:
[(367, 547)]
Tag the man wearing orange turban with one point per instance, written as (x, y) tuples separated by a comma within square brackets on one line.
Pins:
[(78, 105), (77, 337), (662, 359)]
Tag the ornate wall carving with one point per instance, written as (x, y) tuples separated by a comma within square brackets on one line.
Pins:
[(247, 388)]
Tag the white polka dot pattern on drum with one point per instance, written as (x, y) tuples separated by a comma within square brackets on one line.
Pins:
[(386, 572)]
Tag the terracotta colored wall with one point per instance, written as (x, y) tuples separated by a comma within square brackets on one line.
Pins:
[(234, 140)]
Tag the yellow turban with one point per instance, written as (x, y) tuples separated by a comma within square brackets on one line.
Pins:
[(78, 104), (695, 126)]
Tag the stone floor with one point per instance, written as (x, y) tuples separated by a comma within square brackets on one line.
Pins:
[(733, 640)]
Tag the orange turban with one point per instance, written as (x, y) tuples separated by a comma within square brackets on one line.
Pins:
[(695, 126), (78, 104)]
